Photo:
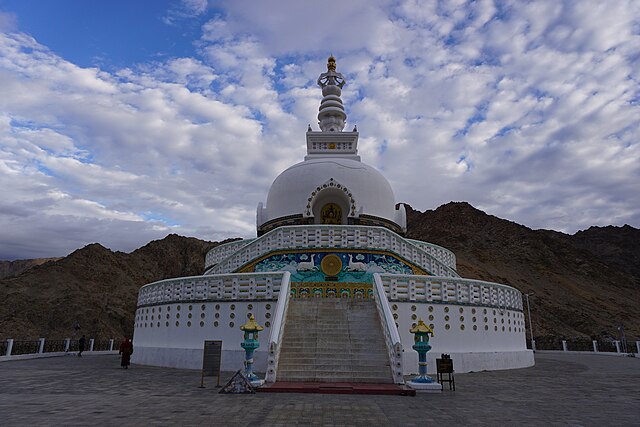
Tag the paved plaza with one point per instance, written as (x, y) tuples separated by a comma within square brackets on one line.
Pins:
[(562, 389)]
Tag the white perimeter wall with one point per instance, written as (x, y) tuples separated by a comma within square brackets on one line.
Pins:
[(180, 343), (477, 338)]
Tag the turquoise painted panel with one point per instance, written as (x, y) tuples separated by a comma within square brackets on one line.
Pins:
[(356, 266)]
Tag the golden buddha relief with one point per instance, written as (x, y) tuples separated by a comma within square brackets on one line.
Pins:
[(331, 214)]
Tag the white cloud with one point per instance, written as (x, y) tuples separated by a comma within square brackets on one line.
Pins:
[(527, 110), (182, 10)]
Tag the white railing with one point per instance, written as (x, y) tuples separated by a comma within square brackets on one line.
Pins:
[(450, 290), (389, 328), (242, 286), (277, 329), (334, 236), (223, 251), (438, 252), (11, 349)]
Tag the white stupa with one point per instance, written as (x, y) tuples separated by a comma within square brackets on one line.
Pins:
[(330, 235)]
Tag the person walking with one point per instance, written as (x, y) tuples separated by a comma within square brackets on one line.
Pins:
[(126, 348), (81, 343)]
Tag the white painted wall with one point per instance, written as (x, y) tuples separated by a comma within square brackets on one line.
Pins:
[(472, 350), (181, 345)]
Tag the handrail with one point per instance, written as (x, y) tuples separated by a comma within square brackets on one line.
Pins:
[(391, 335), (277, 329)]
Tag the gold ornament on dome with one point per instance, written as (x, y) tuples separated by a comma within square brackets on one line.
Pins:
[(331, 265)]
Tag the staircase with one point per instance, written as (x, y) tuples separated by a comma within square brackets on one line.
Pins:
[(333, 340)]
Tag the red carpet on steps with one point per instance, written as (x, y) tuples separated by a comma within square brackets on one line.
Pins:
[(336, 388)]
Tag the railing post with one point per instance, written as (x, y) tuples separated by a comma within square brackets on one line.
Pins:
[(617, 343), (564, 345), (91, 342), (111, 344), (67, 344), (277, 328), (392, 337), (595, 345), (9, 346), (41, 346)]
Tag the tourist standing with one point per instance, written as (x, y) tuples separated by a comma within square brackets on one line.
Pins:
[(126, 348), (81, 343)]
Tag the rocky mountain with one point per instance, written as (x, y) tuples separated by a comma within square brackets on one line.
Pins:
[(13, 268), (580, 285), (617, 246), (93, 286)]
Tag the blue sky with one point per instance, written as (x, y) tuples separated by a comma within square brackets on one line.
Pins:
[(123, 121), (112, 34)]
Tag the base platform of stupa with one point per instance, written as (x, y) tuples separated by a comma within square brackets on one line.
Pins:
[(336, 388)]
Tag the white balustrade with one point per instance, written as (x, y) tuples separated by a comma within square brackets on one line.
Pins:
[(443, 254), (391, 335), (450, 290), (335, 236), (242, 286), (277, 329), (220, 252)]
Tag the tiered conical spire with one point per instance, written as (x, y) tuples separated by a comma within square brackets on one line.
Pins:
[(331, 117)]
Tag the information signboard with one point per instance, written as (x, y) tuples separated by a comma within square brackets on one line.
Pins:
[(211, 360)]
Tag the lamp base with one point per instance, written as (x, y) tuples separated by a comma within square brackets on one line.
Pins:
[(431, 387)]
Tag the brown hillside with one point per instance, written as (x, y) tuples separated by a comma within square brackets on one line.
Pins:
[(616, 246), (93, 285), (13, 268), (574, 292)]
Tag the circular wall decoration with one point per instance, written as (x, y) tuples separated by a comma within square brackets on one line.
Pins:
[(331, 265)]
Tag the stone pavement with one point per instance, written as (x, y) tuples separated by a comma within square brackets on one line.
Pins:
[(562, 389)]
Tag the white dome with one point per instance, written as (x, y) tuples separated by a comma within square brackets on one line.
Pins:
[(331, 185), (366, 189)]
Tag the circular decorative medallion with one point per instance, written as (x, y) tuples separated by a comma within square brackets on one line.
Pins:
[(331, 265)]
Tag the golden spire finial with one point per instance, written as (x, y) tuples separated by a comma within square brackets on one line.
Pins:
[(331, 64)]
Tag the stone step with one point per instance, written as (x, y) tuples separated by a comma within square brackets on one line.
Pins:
[(340, 343), (364, 370), (315, 331), (305, 343), (359, 338), (335, 376), (334, 351), (322, 353), (320, 361), (336, 379), (378, 356), (312, 358)]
